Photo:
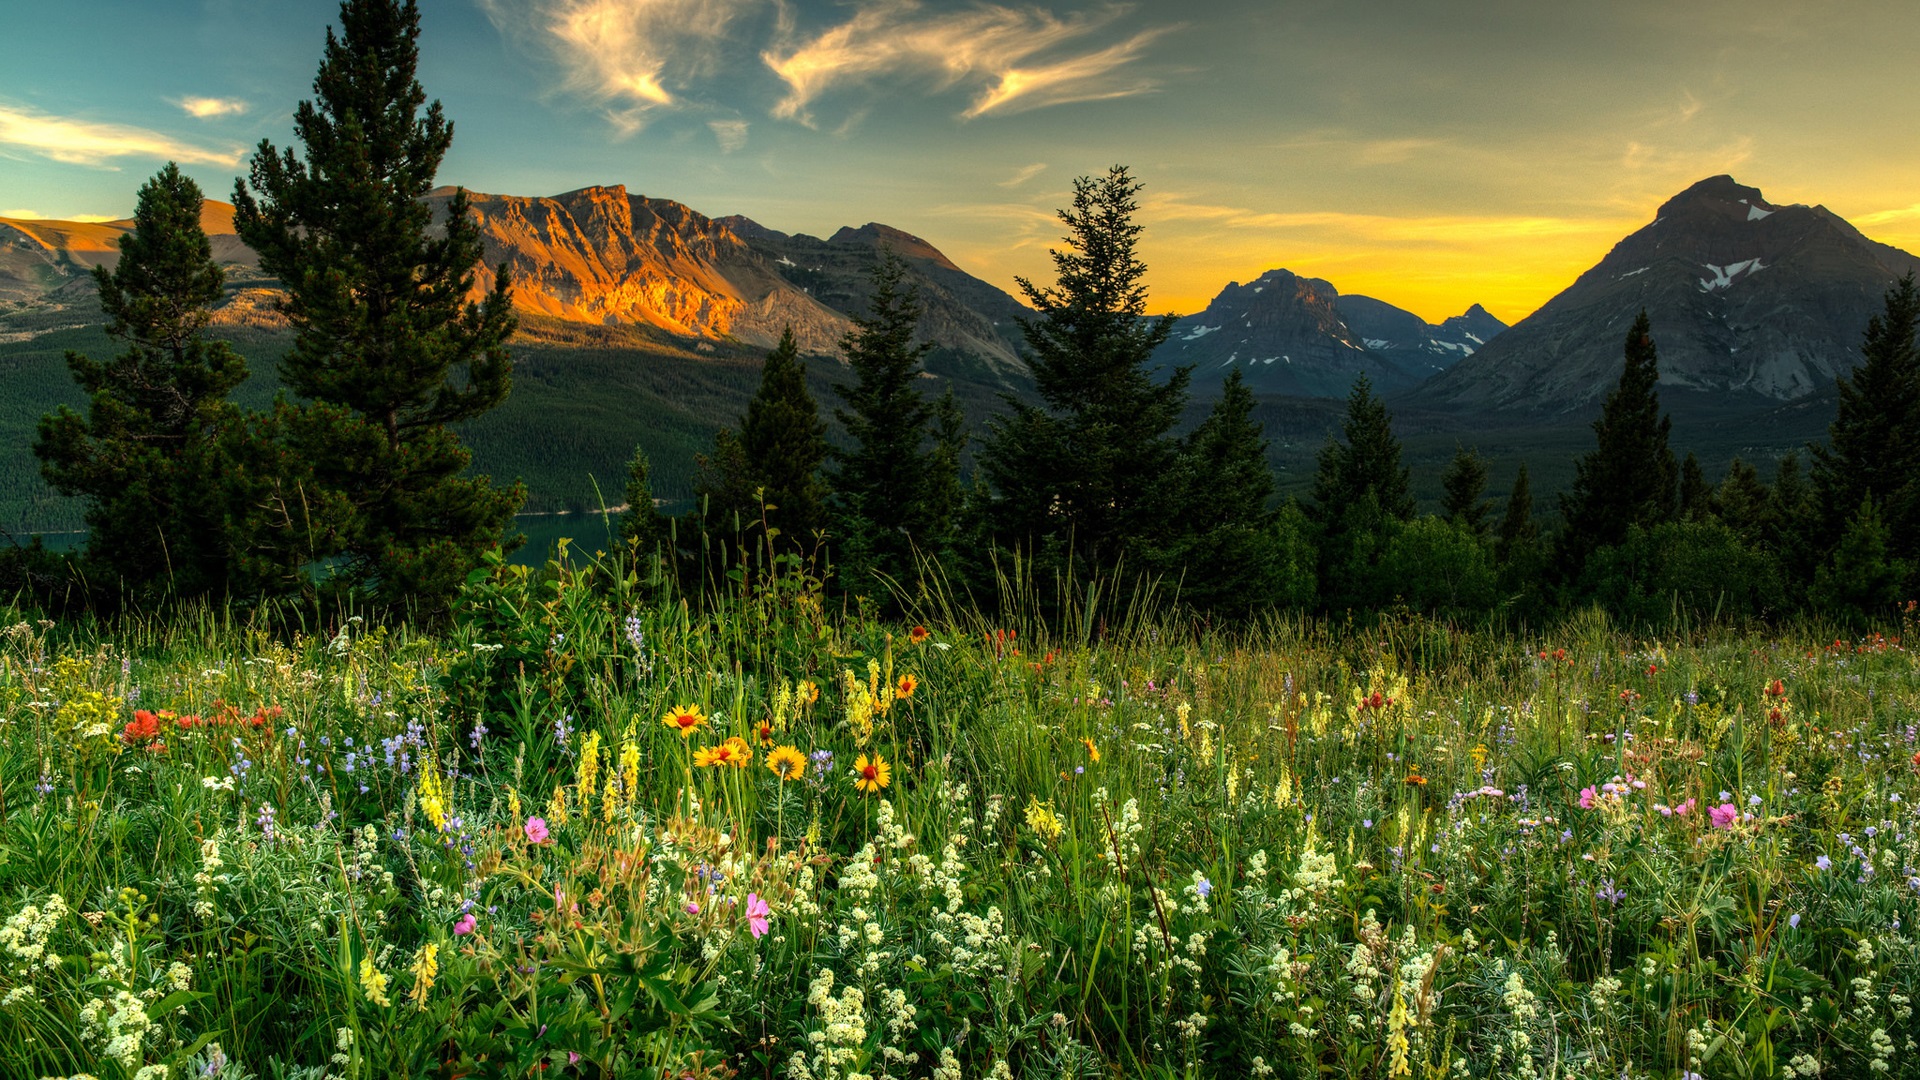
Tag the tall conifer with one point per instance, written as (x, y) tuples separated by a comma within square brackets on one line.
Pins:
[(1465, 482), (1517, 528), (1873, 447), (1630, 477), (146, 457), (1229, 554), (881, 498), (389, 354), (1089, 465)]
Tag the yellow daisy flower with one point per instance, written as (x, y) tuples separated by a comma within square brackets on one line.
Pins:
[(871, 774)]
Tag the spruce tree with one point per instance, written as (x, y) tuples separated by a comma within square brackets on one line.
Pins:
[(389, 354), (1517, 528), (1465, 482), (1088, 467), (1873, 447), (1861, 580), (1793, 526), (1695, 492), (641, 524), (1743, 503), (1630, 477), (881, 497), (147, 456), (1361, 495), (784, 443), (1228, 556)]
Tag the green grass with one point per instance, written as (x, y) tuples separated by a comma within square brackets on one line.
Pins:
[(1142, 853)]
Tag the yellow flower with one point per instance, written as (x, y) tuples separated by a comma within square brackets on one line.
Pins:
[(741, 754), (589, 771), (425, 966), (432, 800), (807, 692), (871, 774), (908, 684), (787, 763), (373, 982), (1042, 820), (686, 719), (1093, 752)]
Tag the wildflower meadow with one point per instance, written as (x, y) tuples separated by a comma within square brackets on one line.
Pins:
[(590, 830)]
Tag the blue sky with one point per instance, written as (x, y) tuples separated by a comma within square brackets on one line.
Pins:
[(1431, 154)]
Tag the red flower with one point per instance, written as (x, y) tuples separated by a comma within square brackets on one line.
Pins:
[(144, 729)]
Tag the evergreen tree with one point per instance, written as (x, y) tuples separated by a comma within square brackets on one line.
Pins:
[(946, 499), (389, 355), (1517, 527), (146, 457), (1361, 495), (1629, 477), (641, 524), (1695, 493), (1793, 526), (1873, 447), (1369, 461), (1743, 503), (1089, 466), (883, 498), (1227, 557), (1465, 481), (785, 443), (1861, 580)]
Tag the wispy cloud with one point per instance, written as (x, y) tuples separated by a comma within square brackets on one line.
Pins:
[(1883, 217), (1437, 229), (1024, 174), (730, 134), (86, 142), (208, 108), (630, 55), (1014, 59)]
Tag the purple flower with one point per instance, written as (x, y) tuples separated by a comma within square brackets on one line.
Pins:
[(1204, 888), (1794, 920), (1607, 892), (1823, 863), (1724, 815)]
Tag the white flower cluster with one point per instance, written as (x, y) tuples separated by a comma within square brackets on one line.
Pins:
[(24, 937), (837, 1042), (120, 1024), (207, 882)]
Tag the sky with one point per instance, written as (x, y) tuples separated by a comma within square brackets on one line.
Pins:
[(1431, 153)]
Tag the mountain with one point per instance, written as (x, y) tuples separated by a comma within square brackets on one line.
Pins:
[(1299, 337), (598, 256), (1748, 300)]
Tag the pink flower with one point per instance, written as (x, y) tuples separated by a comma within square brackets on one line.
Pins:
[(1724, 815), (1587, 795), (536, 830), (1686, 808), (757, 915), (465, 925), (693, 907)]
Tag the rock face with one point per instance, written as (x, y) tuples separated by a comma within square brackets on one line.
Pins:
[(1747, 299), (1298, 336), (600, 255)]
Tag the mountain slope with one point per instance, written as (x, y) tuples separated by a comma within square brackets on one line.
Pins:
[(1747, 298), (1299, 337)]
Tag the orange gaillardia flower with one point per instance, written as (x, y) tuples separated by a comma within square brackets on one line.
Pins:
[(918, 635), (686, 719), (1093, 752), (734, 752), (871, 774), (908, 684), (764, 731), (787, 763)]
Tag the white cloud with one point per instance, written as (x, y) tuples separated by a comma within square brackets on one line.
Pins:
[(85, 142), (631, 55), (207, 108), (1024, 174), (730, 134), (1008, 55), (1882, 217)]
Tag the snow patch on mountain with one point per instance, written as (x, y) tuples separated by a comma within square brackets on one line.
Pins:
[(1723, 275)]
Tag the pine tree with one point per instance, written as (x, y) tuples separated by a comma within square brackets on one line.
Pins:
[(641, 524), (1369, 461), (1630, 476), (882, 498), (1743, 503), (389, 355), (1793, 526), (1465, 481), (785, 444), (1361, 494), (1861, 580), (1228, 555), (146, 457), (1517, 527), (1695, 492), (1088, 467), (1873, 447)]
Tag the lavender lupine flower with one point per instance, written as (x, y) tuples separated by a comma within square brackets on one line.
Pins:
[(1204, 888), (265, 821), (1607, 892), (479, 733)]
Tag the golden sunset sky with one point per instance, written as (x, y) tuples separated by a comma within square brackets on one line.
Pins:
[(1430, 154)]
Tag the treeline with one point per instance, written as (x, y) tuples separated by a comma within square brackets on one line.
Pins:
[(353, 486)]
